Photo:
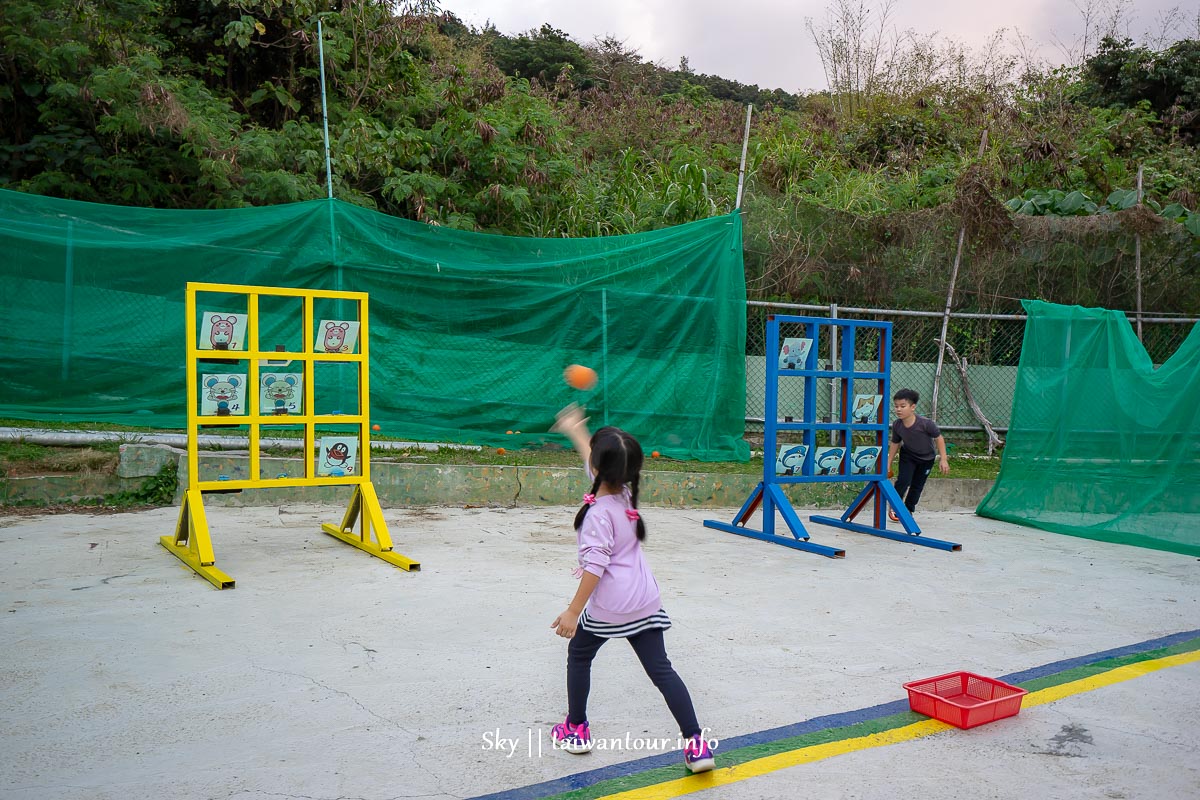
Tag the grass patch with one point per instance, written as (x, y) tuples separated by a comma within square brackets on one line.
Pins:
[(19, 459), (53, 425), (155, 491), (551, 457), (967, 465), (963, 464)]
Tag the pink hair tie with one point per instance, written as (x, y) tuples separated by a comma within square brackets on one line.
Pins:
[(589, 499), (633, 515)]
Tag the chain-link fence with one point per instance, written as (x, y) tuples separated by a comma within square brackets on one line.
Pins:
[(986, 346)]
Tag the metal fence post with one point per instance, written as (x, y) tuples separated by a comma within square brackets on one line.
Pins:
[(833, 365), (1137, 259)]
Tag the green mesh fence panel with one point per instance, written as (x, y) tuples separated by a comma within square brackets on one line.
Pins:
[(1101, 444), (469, 332)]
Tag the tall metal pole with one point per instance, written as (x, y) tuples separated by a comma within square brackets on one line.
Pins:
[(604, 378), (962, 235), (324, 109), (742, 169), (328, 166), (1137, 258), (337, 268), (68, 301)]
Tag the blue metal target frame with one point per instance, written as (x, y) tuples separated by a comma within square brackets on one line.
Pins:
[(769, 492)]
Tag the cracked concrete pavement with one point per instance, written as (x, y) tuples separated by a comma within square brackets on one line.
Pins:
[(329, 674)]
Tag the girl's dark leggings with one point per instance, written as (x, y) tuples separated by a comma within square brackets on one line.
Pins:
[(650, 650)]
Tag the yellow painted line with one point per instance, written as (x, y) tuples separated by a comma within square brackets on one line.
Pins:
[(807, 755), (761, 766), (1125, 673)]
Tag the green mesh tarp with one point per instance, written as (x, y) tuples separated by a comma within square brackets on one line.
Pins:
[(1102, 444), (469, 332)]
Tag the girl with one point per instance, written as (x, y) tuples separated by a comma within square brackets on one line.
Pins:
[(618, 597)]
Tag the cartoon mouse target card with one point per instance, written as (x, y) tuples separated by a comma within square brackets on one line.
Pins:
[(222, 331), (336, 455), (222, 395), (336, 336), (282, 393)]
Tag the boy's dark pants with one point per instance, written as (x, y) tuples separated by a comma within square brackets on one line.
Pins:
[(650, 650), (910, 478)]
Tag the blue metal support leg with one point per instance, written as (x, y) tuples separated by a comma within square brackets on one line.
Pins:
[(911, 534), (773, 498)]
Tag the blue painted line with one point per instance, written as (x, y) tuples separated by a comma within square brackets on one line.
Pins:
[(624, 769), (582, 780), (1116, 652)]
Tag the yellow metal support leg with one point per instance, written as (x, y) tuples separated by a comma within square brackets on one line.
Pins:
[(191, 543), (364, 507)]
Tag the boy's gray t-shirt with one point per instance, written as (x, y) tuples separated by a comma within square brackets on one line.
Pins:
[(917, 440)]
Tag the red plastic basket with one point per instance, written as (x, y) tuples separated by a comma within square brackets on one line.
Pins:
[(964, 699)]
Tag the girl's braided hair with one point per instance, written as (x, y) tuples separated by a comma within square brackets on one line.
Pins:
[(616, 460)]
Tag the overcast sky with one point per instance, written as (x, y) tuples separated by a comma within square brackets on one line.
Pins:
[(765, 42)]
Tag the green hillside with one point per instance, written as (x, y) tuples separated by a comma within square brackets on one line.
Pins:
[(855, 197)]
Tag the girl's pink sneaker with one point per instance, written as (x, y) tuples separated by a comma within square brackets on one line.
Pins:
[(572, 738), (697, 755)]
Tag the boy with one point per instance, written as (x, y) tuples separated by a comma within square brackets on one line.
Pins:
[(914, 437)]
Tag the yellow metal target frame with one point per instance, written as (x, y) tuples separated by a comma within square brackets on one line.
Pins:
[(191, 542)]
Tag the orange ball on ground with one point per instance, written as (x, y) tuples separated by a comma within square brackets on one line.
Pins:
[(500, 451)]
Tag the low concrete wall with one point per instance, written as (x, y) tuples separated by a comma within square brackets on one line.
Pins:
[(401, 484), (72, 487), (404, 484)]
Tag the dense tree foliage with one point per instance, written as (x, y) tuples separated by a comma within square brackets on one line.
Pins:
[(184, 104), (544, 54), (1167, 83)]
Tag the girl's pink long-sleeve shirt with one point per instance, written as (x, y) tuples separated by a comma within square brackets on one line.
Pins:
[(609, 548)]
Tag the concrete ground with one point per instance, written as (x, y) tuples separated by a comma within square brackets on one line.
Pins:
[(329, 674)]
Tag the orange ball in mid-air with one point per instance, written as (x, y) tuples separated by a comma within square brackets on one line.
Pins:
[(655, 454), (580, 377), (375, 427)]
